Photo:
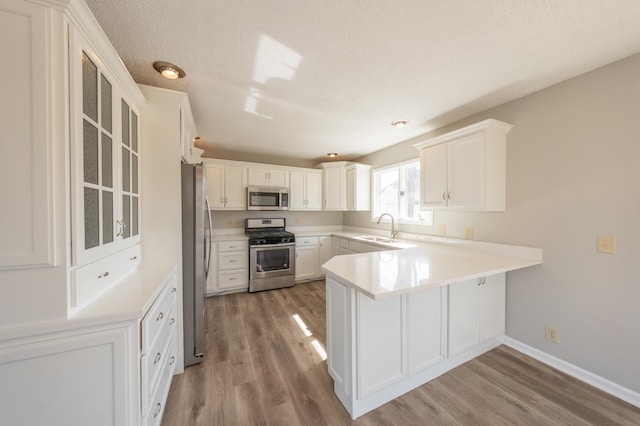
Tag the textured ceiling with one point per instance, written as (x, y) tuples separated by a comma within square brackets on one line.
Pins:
[(300, 78)]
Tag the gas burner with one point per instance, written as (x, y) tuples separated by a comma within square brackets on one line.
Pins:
[(267, 231)]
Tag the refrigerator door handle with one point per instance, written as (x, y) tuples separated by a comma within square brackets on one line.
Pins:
[(206, 269)]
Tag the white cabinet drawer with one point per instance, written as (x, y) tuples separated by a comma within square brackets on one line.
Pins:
[(306, 241), (153, 361), (91, 281), (232, 279), (159, 396), (158, 315), (232, 260), (232, 245)]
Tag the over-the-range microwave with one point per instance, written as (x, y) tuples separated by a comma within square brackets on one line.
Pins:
[(267, 198)]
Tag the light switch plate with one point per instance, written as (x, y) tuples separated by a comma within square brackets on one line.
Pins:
[(606, 244)]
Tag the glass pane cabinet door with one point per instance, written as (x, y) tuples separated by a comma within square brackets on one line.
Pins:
[(97, 156), (130, 172), (106, 159)]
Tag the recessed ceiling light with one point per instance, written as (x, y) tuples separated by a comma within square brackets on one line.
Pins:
[(168, 70), (399, 123), (332, 154)]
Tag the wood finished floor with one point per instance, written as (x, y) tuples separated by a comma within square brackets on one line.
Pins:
[(262, 369)]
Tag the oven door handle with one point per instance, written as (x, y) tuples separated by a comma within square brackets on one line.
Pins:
[(268, 246)]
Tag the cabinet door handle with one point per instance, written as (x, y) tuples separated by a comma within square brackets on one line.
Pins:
[(173, 290), (173, 321), (158, 409), (160, 316), (103, 275), (133, 258), (444, 195), (173, 359), (449, 195), (120, 224), (157, 358)]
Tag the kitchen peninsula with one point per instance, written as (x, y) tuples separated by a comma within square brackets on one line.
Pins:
[(399, 318)]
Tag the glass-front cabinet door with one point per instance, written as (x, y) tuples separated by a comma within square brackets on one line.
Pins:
[(130, 173), (105, 156)]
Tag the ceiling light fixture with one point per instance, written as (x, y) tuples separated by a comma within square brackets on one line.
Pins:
[(169, 70), (332, 154), (399, 123)]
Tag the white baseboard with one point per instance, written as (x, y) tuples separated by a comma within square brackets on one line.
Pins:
[(601, 383)]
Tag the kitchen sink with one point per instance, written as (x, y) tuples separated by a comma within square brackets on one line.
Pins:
[(376, 239)]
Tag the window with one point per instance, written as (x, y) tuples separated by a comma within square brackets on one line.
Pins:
[(396, 190)]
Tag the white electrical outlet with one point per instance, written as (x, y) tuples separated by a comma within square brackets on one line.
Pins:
[(468, 233), (551, 334)]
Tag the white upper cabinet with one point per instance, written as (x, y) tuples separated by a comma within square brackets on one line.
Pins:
[(264, 176), (305, 189), (105, 158), (69, 169), (346, 186), (226, 185), (358, 187), (26, 177), (188, 134), (465, 169)]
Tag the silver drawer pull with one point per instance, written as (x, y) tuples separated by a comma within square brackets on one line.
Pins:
[(157, 358), (133, 258), (173, 321), (158, 409), (160, 316), (232, 247), (103, 275), (232, 261), (232, 278), (173, 359)]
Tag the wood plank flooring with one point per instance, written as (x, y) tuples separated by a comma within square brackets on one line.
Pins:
[(262, 368)]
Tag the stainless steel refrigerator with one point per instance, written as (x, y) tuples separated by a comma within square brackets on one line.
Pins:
[(196, 257)]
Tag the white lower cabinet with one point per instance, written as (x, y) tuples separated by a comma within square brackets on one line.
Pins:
[(380, 349), (158, 358), (311, 253), (324, 252), (476, 312), (229, 267), (106, 368), (307, 261)]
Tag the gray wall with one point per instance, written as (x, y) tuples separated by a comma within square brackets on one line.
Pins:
[(573, 173), (234, 220)]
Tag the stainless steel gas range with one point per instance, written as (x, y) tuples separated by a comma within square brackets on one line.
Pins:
[(272, 260)]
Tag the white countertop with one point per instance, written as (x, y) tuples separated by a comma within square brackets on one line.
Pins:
[(126, 301), (427, 264)]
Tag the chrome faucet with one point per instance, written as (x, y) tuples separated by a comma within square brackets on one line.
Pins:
[(394, 231)]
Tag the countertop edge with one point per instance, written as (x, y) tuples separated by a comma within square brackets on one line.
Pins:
[(127, 301)]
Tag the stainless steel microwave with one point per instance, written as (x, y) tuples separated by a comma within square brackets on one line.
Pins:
[(267, 198)]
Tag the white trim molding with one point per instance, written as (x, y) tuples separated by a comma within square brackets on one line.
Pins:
[(601, 383)]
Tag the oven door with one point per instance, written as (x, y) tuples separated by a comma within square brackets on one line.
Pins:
[(271, 260)]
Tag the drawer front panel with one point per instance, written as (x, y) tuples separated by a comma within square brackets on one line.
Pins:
[(155, 358), (232, 279), (158, 315), (232, 246), (155, 409), (91, 281), (232, 260), (307, 241)]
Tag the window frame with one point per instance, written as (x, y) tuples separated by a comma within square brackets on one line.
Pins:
[(375, 194)]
